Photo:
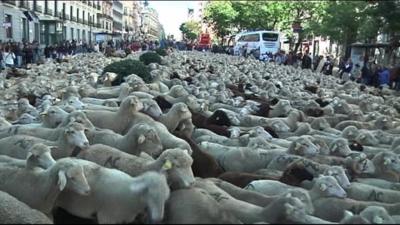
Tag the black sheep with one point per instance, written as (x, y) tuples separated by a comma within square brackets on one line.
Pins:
[(220, 118)]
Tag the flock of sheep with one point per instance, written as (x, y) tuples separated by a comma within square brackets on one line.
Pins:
[(213, 139)]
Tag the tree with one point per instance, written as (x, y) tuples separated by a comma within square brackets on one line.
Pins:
[(190, 29), (341, 22), (220, 15)]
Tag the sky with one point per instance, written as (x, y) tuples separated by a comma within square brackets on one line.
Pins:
[(172, 14)]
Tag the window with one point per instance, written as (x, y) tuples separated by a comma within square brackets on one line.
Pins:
[(8, 23), (83, 15), (46, 6), (63, 11), (55, 8), (72, 33), (270, 36), (24, 29), (77, 14), (78, 31), (250, 38), (37, 33), (34, 4), (71, 11)]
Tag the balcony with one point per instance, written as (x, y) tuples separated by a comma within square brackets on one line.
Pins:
[(49, 12), (99, 25), (11, 2), (79, 20), (24, 4), (38, 8), (73, 18)]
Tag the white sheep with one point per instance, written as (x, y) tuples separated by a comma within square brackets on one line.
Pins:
[(13, 211), (324, 186), (178, 112), (140, 138), (40, 188), (128, 197), (176, 162), (17, 146)]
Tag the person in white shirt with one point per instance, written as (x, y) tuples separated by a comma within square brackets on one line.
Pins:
[(8, 57)]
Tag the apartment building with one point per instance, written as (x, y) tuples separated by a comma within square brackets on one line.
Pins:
[(49, 21), (150, 24), (131, 20)]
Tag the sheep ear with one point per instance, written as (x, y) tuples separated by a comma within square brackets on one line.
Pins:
[(167, 165), (323, 187), (377, 220), (62, 180), (347, 214), (297, 146), (141, 139), (386, 161), (138, 186)]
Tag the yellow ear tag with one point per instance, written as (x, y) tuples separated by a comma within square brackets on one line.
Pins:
[(167, 165)]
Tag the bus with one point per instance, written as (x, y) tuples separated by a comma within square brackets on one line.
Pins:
[(264, 41)]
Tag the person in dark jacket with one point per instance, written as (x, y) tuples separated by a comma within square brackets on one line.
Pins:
[(306, 61), (328, 66)]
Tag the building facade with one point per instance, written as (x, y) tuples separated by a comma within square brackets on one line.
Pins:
[(49, 21), (118, 13), (53, 21), (150, 24), (131, 23)]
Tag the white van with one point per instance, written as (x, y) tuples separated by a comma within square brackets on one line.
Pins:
[(266, 41)]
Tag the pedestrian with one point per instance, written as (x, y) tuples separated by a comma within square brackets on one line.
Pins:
[(2, 65), (8, 57), (328, 66), (366, 74), (384, 77), (306, 61), (348, 67), (341, 66)]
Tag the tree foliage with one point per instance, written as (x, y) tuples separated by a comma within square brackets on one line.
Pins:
[(190, 29), (220, 15)]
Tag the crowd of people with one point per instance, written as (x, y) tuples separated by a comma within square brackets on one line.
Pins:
[(19, 54)]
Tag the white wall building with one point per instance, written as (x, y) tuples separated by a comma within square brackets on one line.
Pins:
[(150, 24), (49, 21)]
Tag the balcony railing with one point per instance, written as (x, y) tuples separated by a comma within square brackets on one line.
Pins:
[(79, 20), (49, 12), (24, 4), (38, 8), (11, 2), (73, 18)]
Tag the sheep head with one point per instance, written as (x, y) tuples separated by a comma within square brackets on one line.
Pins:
[(280, 126), (304, 147), (387, 162), (75, 135), (78, 117), (340, 147), (377, 215), (328, 186), (360, 164), (303, 196), (152, 187), (74, 102), (181, 110), (39, 155), (71, 176), (177, 163), (367, 138), (151, 108), (350, 132), (339, 174), (131, 105), (146, 138)]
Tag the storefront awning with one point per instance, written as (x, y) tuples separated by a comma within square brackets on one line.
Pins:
[(49, 18)]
